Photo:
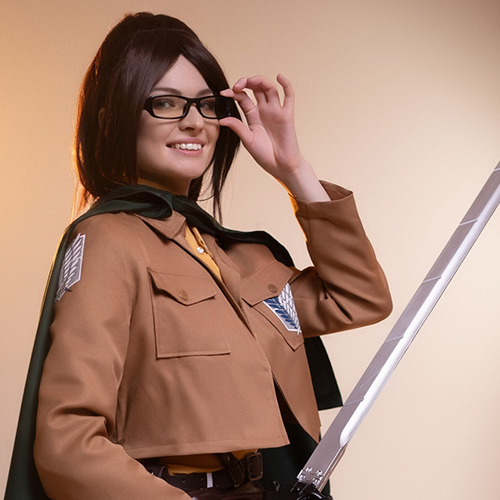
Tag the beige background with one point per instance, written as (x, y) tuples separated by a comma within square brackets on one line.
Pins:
[(398, 100)]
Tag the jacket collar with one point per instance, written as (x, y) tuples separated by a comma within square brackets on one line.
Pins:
[(170, 227)]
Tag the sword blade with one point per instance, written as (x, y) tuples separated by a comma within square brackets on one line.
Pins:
[(330, 450)]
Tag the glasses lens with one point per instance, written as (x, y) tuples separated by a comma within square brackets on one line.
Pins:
[(215, 107), (168, 106)]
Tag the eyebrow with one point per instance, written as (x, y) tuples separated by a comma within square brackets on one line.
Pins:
[(170, 90)]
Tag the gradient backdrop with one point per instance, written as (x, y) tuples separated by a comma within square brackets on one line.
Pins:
[(397, 100)]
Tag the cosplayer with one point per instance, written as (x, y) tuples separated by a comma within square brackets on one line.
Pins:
[(178, 350)]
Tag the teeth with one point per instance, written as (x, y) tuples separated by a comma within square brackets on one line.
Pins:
[(190, 146)]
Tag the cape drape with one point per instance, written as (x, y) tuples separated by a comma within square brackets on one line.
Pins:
[(282, 464)]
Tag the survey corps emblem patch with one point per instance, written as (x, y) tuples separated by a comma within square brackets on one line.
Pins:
[(71, 270), (284, 307)]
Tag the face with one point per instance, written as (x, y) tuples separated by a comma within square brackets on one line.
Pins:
[(171, 153)]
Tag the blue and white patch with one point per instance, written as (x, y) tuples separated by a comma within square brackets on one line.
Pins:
[(71, 270), (284, 307)]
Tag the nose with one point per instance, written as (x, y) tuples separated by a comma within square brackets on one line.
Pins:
[(193, 119)]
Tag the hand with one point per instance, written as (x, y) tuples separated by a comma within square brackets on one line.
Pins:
[(269, 135)]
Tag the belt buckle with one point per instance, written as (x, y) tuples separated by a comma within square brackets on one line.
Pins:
[(254, 466), (248, 468)]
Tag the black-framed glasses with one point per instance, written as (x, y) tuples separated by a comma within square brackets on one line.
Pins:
[(174, 107)]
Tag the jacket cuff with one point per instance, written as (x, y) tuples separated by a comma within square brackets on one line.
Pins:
[(340, 197)]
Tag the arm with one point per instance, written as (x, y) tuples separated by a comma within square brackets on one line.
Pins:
[(346, 288), (75, 451)]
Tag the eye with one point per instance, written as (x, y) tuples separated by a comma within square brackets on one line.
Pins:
[(164, 103), (208, 104)]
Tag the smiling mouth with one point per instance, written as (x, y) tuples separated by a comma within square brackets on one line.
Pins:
[(189, 146)]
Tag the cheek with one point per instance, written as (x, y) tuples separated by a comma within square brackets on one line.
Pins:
[(152, 135)]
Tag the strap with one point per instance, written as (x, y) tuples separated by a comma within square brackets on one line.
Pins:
[(248, 468), (235, 473)]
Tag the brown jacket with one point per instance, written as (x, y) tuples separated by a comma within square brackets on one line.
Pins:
[(153, 356)]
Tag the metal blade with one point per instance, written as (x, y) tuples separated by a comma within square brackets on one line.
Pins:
[(328, 453)]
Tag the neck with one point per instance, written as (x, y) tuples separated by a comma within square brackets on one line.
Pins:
[(163, 187)]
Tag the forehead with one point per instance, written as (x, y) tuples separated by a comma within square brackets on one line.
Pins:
[(182, 78)]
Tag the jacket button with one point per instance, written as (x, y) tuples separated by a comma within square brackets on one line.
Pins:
[(183, 294), (272, 288)]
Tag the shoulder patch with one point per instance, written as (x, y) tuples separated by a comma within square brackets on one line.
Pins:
[(71, 270), (284, 307)]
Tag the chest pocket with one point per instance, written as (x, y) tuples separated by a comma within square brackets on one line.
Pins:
[(186, 320), (270, 295)]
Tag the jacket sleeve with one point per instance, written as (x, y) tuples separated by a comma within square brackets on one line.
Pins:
[(74, 450), (346, 288)]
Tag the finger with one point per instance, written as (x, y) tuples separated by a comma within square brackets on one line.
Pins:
[(243, 83), (289, 100), (239, 128), (243, 99), (240, 84), (245, 103), (263, 89)]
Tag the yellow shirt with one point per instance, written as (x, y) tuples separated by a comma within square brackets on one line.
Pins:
[(196, 242)]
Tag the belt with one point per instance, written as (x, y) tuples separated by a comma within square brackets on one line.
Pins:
[(235, 473)]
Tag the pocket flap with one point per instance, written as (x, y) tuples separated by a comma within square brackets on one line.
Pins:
[(268, 282), (184, 289)]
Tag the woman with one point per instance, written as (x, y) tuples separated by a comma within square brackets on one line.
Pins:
[(178, 346)]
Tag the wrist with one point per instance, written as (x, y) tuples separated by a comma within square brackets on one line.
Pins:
[(303, 184)]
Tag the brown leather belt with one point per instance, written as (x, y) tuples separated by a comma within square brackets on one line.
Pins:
[(235, 473)]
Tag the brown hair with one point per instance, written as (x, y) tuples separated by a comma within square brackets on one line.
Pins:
[(133, 57)]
